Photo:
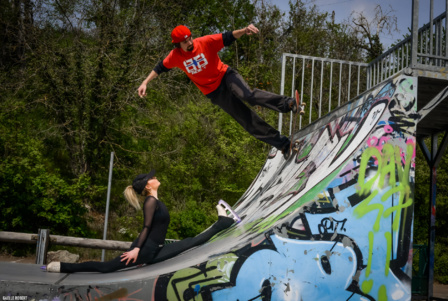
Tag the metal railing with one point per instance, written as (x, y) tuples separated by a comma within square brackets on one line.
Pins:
[(426, 48), (429, 43), (322, 81), (43, 240), (389, 63)]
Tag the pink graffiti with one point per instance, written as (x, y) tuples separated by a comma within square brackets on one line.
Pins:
[(410, 141), (378, 143), (388, 129)]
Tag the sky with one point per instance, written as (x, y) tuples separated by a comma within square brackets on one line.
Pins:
[(402, 10)]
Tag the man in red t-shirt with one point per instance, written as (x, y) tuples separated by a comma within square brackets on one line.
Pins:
[(226, 88)]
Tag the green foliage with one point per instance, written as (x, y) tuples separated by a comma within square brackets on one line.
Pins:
[(127, 226), (375, 49), (35, 197), (441, 262), (190, 219), (422, 209)]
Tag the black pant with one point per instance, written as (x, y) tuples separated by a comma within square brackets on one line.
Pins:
[(175, 248), (150, 252), (229, 95)]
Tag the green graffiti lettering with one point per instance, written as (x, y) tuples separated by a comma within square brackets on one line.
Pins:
[(365, 187), (382, 293), (388, 237), (404, 201), (390, 173), (388, 159), (369, 260), (365, 207), (366, 286)]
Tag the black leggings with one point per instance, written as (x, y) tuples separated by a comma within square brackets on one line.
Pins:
[(150, 252), (229, 95)]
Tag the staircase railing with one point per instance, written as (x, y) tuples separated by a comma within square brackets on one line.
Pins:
[(322, 81), (429, 43)]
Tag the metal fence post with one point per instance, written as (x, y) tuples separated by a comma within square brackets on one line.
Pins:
[(106, 219), (414, 39), (43, 240), (282, 91), (446, 30)]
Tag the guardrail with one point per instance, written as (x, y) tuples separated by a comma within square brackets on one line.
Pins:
[(43, 239), (389, 63), (429, 43), (322, 81), (426, 48)]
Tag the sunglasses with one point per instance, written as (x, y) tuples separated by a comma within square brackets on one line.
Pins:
[(187, 40)]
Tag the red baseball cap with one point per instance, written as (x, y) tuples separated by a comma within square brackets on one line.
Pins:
[(180, 33)]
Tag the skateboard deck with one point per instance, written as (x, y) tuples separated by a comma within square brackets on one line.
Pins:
[(300, 105), (300, 110)]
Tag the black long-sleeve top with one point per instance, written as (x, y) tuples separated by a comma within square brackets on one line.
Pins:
[(155, 223)]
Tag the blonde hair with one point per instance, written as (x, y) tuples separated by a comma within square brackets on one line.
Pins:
[(132, 197)]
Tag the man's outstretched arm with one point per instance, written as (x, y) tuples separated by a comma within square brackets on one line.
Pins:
[(249, 30), (230, 36), (160, 68), (142, 88)]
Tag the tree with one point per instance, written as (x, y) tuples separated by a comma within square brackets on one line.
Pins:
[(73, 84), (369, 30)]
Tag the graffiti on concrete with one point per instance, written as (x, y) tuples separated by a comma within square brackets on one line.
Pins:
[(333, 222), (336, 218)]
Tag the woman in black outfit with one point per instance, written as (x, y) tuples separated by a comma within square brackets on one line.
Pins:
[(149, 246)]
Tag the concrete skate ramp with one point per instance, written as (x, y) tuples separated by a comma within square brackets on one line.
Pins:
[(334, 222)]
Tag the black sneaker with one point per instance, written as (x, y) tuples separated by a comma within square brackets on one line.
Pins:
[(292, 103), (286, 151)]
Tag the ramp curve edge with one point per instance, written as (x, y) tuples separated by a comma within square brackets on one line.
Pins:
[(333, 222)]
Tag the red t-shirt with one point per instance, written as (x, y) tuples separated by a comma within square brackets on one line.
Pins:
[(202, 65)]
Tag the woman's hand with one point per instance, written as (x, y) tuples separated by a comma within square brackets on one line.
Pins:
[(130, 256)]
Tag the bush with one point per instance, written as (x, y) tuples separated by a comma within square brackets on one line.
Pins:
[(191, 220), (35, 196), (441, 263)]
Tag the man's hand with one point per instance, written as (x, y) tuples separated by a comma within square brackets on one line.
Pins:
[(130, 256), (142, 90), (251, 29)]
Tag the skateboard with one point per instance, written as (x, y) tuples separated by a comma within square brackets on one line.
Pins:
[(300, 105), (230, 211), (301, 111)]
